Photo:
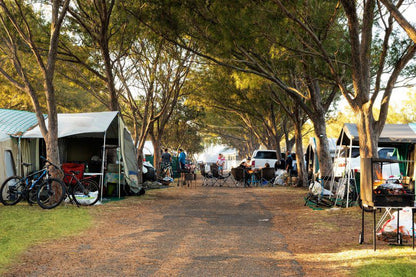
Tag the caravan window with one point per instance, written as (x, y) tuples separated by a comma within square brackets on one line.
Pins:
[(9, 162)]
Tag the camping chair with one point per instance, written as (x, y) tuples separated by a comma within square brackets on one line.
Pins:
[(190, 179), (267, 176), (253, 178), (221, 179), (238, 175), (206, 176)]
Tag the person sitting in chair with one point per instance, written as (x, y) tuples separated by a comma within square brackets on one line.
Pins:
[(246, 174)]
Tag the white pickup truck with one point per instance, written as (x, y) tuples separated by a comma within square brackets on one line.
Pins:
[(261, 157)]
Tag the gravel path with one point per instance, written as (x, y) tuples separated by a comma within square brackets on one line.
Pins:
[(174, 232)]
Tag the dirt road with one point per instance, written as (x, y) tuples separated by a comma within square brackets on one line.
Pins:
[(199, 231)]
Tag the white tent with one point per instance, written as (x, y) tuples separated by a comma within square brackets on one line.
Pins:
[(81, 135)]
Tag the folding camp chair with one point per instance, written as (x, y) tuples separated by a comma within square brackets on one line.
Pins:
[(238, 175), (190, 179), (267, 176), (221, 179), (207, 177)]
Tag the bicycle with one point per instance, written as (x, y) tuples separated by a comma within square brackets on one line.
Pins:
[(35, 187), (84, 192)]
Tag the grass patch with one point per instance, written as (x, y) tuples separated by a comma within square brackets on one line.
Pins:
[(397, 261), (400, 267), (394, 261), (23, 226)]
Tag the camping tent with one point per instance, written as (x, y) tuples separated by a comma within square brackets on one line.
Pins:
[(12, 122), (400, 136), (392, 134), (100, 138)]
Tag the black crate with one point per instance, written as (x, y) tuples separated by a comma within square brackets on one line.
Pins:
[(402, 200)]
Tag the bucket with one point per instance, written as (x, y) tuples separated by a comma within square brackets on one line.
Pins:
[(111, 187)]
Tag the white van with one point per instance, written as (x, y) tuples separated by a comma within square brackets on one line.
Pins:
[(343, 163)]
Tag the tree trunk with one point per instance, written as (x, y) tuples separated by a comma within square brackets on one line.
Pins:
[(113, 100), (322, 147), (302, 175), (156, 153), (368, 139), (368, 135), (140, 164)]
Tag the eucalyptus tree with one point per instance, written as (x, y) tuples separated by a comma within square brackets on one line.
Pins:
[(177, 64), (376, 55), (100, 35), (184, 129), (369, 65), (29, 40), (256, 37), (152, 76), (222, 91)]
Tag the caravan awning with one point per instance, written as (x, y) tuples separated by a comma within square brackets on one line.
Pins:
[(392, 134), (81, 125), (13, 122)]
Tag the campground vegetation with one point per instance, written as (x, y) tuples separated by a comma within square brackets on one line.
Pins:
[(23, 227), (252, 74), (184, 73)]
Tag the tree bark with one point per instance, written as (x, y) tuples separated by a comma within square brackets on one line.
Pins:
[(302, 175), (322, 147)]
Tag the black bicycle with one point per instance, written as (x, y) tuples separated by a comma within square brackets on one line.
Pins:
[(84, 192), (36, 187)]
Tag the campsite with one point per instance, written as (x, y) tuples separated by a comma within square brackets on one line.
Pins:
[(229, 232), (207, 138)]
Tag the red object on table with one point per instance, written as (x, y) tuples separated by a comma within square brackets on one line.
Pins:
[(78, 168)]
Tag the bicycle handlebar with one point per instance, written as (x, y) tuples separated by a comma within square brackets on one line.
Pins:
[(51, 163)]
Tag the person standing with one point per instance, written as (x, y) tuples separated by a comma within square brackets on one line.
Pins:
[(221, 163), (166, 160), (182, 161), (289, 165)]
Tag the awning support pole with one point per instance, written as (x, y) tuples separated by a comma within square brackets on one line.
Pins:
[(102, 166), (118, 158)]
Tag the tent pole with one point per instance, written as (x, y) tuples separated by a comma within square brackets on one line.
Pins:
[(118, 158), (102, 166), (349, 174), (19, 157), (338, 152)]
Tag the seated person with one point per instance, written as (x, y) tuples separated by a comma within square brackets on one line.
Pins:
[(246, 174)]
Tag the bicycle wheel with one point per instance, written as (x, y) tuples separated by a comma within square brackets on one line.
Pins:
[(11, 190), (86, 192), (51, 193), (32, 196)]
